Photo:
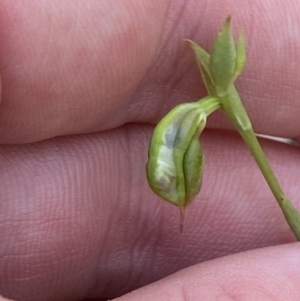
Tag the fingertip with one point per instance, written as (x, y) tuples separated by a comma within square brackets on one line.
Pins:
[(253, 275), (4, 299)]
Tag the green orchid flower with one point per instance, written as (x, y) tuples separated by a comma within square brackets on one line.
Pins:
[(175, 155), (175, 165)]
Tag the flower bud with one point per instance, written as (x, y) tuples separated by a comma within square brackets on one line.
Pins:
[(227, 59), (175, 164), (223, 59)]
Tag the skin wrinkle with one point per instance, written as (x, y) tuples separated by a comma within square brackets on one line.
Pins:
[(165, 59), (136, 108)]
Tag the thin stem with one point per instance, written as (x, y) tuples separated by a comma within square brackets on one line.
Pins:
[(261, 160), (235, 111), (292, 216), (209, 104)]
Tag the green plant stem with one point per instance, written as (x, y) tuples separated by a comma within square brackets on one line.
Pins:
[(209, 104), (237, 114), (261, 160), (292, 216)]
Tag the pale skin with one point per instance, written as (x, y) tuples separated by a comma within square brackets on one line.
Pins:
[(77, 218)]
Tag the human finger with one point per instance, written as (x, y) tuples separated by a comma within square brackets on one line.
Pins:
[(78, 219), (71, 67), (267, 274)]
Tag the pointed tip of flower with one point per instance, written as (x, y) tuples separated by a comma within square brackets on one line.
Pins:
[(191, 43), (222, 60), (226, 24), (228, 20), (240, 54), (182, 218)]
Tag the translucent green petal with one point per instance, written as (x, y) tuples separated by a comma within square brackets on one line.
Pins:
[(240, 60), (193, 168), (192, 124), (170, 143), (223, 59), (203, 58)]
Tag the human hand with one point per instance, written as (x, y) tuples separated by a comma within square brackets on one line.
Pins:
[(77, 217)]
